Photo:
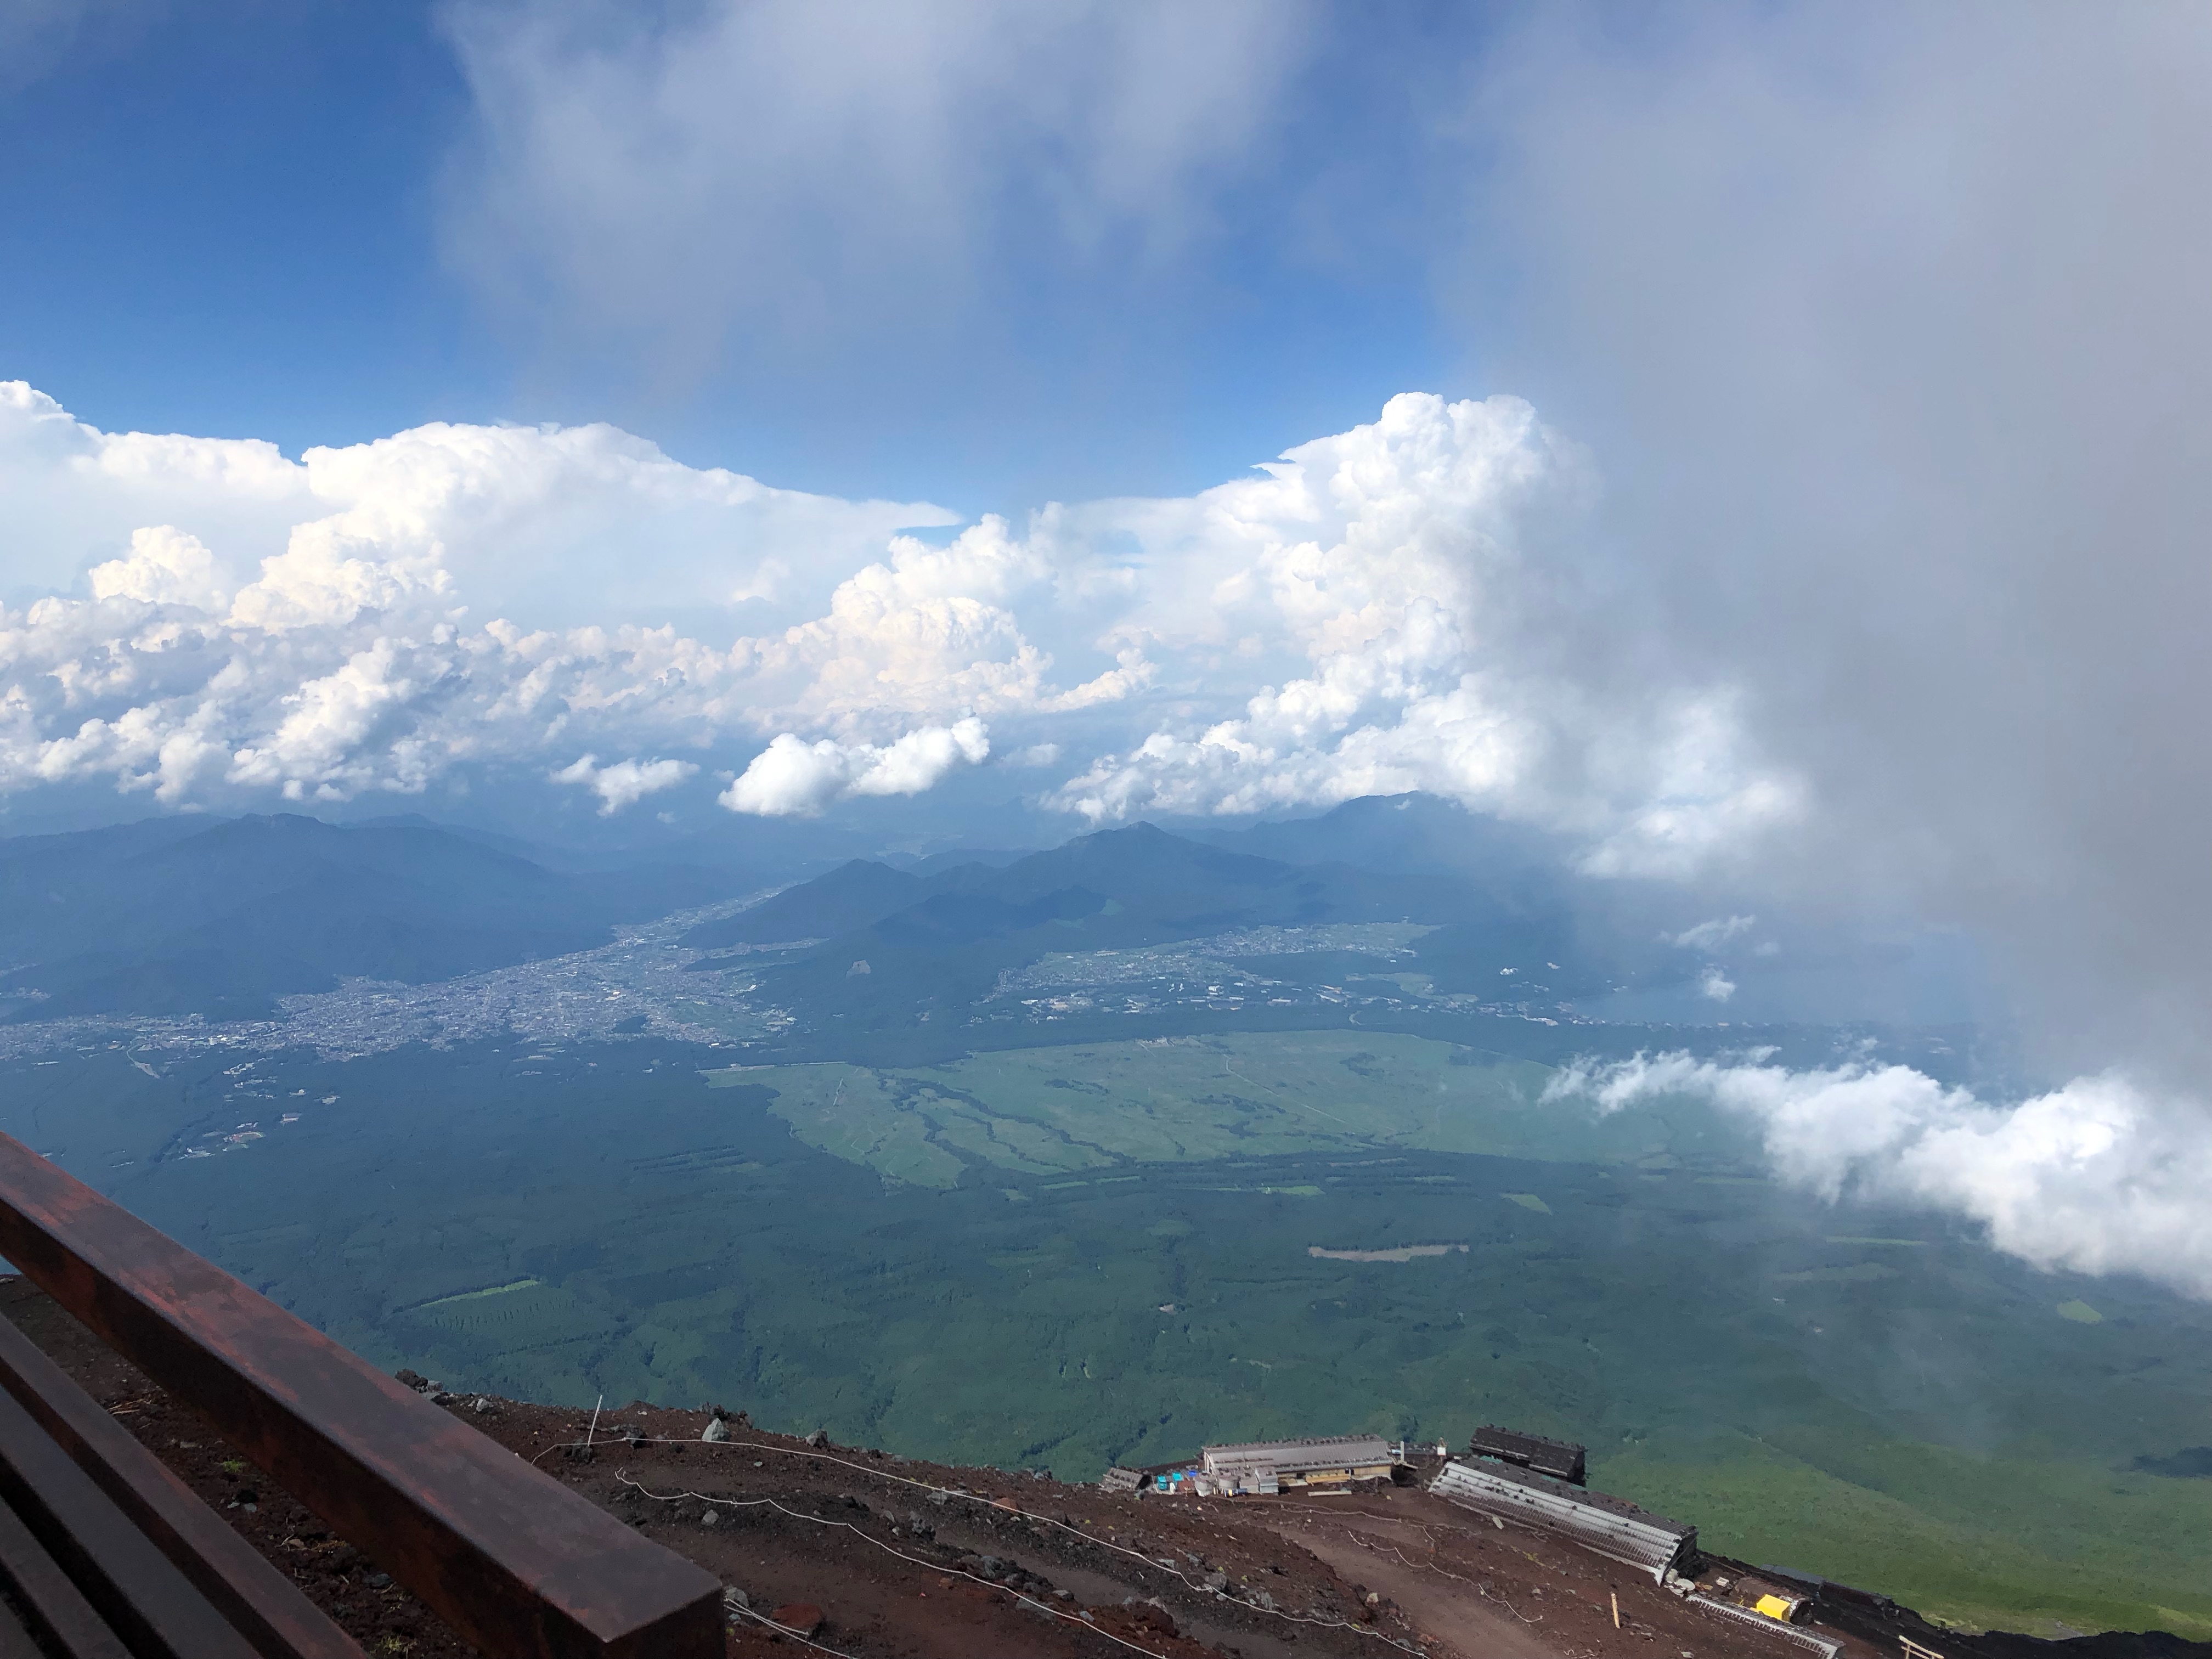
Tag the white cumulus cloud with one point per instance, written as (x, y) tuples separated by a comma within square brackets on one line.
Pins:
[(164, 567), (370, 619), (2098, 1176), (1409, 594), (546, 525), (792, 778), (625, 782), (1369, 614)]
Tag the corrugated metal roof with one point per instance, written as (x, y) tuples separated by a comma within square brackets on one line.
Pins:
[(1561, 1457), (1290, 1457), (1613, 1527)]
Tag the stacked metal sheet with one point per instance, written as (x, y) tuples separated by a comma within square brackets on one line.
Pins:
[(1613, 1526)]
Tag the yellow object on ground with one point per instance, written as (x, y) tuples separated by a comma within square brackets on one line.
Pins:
[(1775, 1607)]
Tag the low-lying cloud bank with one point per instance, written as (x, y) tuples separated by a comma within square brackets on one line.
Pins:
[(2098, 1176)]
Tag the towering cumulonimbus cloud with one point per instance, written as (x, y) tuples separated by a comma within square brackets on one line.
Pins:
[(1419, 592), (1375, 611), (245, 624)]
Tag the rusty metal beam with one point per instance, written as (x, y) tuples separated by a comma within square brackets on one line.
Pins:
[(514, 1561), (267, 1608)]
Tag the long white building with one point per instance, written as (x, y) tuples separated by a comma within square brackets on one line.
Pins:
[(1613, 1527), (1270, 1465)]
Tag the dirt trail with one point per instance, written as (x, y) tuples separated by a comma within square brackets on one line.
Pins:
[(1393, 1558)]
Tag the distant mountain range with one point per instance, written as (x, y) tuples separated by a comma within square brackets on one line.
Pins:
[(1416, 835), (1136, 885), (190, 915), (936, 941), (183, 916)]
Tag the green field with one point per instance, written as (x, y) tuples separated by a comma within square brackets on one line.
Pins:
[(1118, 1251), (1180, 1099)]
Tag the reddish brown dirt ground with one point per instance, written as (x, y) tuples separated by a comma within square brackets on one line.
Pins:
[(906, 1561)]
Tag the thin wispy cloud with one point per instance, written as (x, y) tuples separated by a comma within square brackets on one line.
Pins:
[(1711, 935), (780, 179)]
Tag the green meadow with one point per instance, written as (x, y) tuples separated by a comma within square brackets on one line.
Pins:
[(1194, 1098)]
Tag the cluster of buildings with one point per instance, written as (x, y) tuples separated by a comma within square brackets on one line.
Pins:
[(1270, 1466), (1337, 1462), (1529, 1479)]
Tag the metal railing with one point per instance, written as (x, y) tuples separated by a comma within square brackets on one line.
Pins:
[(107, 1552)]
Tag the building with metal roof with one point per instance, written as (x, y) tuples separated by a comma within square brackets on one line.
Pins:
[(1261, 1464), (1561, 1459), (1613, 1526)]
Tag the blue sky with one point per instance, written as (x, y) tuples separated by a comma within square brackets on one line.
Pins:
[(221, 219), (241, 219)]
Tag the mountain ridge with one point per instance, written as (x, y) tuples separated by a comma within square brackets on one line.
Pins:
[(222, 917)]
